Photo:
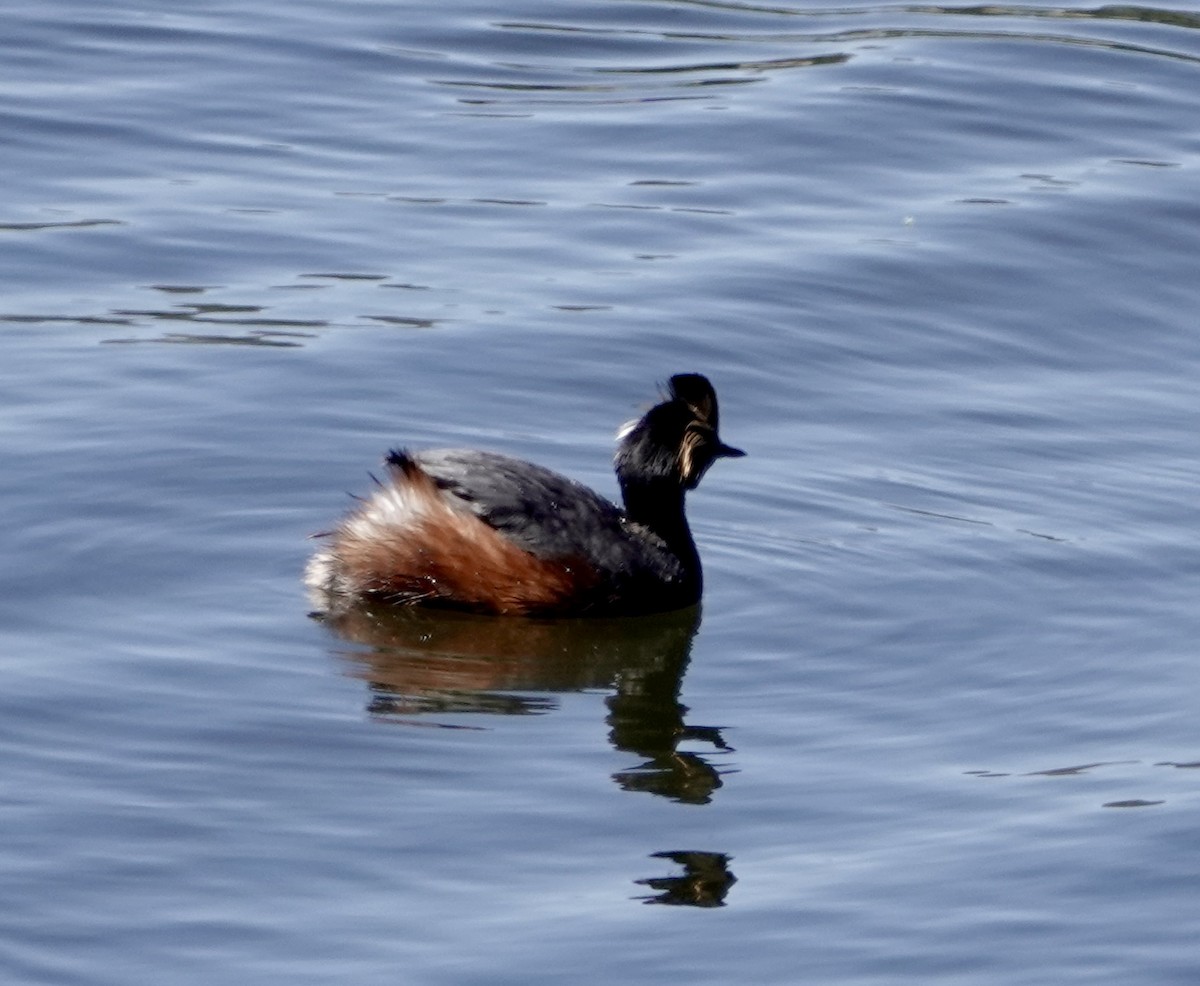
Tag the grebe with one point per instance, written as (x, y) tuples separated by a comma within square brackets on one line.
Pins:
[(492, 534)]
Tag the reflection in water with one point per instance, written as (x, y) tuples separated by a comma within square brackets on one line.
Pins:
[(423, 662), (705, 880), (647, 718)]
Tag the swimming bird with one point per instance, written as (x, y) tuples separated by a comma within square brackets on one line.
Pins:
[(488, 533)]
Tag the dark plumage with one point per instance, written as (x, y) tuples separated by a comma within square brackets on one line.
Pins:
[(486, 532)]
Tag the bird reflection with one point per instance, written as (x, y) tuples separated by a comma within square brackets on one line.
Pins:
[(705, 880), (647, 719), (422, 662)]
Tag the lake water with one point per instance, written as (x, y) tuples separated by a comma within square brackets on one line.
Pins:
[(938, 721)]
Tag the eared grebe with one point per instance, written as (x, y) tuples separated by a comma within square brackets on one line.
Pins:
[(485, 532)]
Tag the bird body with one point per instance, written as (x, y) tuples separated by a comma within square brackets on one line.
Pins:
[(489, 533)]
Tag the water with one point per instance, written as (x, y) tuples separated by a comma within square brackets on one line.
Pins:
[(937, 719)]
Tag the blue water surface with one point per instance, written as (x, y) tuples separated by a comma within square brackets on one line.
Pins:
[(936, 721)]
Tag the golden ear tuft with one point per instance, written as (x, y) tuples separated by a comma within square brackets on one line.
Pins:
[(692, 460)]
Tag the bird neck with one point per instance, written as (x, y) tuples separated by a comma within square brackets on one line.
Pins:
[(658, 506)]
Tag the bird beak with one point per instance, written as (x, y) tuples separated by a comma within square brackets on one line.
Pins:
[(729, 452)]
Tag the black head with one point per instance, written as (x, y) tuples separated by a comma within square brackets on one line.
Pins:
[(675, 441)]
